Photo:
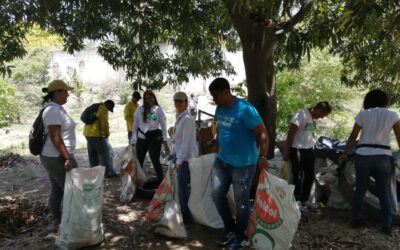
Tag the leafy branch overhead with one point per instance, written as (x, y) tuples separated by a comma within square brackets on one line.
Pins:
[(134, 35)]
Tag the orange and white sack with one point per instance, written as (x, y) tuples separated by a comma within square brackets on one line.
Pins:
[(82, 209), (164, 212), (275, 218), (132, 175)]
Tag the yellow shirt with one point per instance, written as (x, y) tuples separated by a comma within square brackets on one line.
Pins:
[(129, 113), (100, 127)]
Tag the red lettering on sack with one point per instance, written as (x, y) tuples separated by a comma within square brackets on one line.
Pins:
[(266, 207)]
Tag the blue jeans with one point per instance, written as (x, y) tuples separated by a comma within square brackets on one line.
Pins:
[(184, 182), (129, 137), (101, 153), (184, 185), (223, 175), (381, 168)]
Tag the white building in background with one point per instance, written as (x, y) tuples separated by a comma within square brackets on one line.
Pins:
[(89, 66), (94, 71)]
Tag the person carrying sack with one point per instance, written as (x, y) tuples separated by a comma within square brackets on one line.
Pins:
[(239, 127), (97, 133), (57, 155), (373, 156), (300, 150), (185, 148), (146, 133)]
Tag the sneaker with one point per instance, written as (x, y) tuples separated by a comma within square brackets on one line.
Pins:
[(187, 218), (310, 205), (238, 244), (225, 238), (112, 175), (387, 230), (303, 209), (358, 223)]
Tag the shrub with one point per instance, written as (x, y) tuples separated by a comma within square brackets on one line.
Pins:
[(10, 110), (318, 80)]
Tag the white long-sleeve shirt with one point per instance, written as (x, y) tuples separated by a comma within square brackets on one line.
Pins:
[(185, 145), (155, 119)]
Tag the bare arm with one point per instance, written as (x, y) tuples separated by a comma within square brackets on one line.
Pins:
[(289, 140), (135, 126), (263, 141), (396, 130), (55, 136), (352, 138)]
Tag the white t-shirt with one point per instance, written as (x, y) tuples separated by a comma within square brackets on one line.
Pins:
[(305, 135), (376, 125), (193, 104), (155, 119), (54, 114)]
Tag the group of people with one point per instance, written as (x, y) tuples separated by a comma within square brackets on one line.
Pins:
[(242, 141), (372, 156)]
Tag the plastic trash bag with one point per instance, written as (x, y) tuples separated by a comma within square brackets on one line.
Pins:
[(132, 175), (82, 208), (164, 212), (274, 221)]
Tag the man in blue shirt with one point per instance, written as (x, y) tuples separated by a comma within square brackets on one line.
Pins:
[(239, 128)]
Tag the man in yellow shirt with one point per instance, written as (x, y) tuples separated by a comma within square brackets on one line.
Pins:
[(129, 112), (97, 133)]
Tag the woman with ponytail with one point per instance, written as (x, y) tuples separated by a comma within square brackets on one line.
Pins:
[(57, 155)]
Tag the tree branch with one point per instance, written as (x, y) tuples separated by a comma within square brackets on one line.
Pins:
[(283, 28), (239, 19)]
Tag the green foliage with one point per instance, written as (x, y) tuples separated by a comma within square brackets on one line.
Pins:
[(78, 85), (42, 38), (9, 111), (240, 90), (317, 80), (365, 34), (368, 41), (32, 69), (124, 94)]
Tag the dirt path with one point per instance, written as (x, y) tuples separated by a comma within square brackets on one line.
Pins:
[(125, 226)]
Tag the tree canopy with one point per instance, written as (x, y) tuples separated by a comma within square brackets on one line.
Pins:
[(273, 34), (364, 33)]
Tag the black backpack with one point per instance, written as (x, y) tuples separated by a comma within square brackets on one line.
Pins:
[(88, 116), (37, 136)]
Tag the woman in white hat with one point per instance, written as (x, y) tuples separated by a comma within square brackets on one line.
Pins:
[(57, 155), (185, 147)]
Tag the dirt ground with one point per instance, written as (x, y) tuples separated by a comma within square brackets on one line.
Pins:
[(24, 189)]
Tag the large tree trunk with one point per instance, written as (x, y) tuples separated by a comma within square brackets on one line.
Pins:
[(260, 78), (257, 43)]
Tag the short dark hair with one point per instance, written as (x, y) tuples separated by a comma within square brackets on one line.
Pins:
[(219, 84), (324, 107), (375, 98), (136, 95), (110, 105)]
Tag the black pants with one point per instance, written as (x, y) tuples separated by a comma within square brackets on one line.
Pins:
[(154, 149), (302, 161)]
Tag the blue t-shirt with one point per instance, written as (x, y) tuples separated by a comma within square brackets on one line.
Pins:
[(237, 143)]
